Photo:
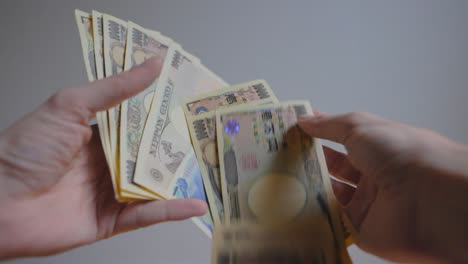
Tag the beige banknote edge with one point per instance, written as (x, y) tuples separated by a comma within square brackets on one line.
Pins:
[(333, 204), (124, 106), (219, 92), (101, 116), (78, 15), (113, 136)]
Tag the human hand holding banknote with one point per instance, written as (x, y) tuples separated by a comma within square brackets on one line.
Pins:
[(411, 183), (55, 189)]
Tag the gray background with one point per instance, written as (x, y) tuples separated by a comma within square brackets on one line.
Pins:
[(405, 60)]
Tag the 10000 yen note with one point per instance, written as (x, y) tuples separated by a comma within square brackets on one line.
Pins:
[(243, 93), (142, 44), (166, 143), (114, 39), (274, 175), (202, 129), (85, 27), (102, 117)]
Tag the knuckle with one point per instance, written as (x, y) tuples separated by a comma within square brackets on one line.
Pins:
[(357, 119), (69, 102), (355, 125), (61, 98), (353, 119)]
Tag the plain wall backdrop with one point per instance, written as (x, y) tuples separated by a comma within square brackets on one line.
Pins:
[(404, 59)]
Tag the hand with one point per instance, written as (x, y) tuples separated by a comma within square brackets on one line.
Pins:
[(412, 186), (55, 188)]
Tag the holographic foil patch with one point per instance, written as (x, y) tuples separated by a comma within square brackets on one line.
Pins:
[(232, 127)]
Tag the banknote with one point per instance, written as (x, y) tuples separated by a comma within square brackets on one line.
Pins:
[(114, 33), (99, 66), (85, 27), (190, 185), (114, 40), (101, 117), (142, 44), (274, 175), (166, 143), (246, 92), (202, 129)]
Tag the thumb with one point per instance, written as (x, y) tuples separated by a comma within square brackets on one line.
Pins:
[(105, 93), (83, 103), (137, 215)]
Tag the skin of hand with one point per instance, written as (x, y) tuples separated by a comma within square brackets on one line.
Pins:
[(55, 188), (412, 186)]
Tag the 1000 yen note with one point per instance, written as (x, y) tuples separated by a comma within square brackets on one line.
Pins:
[(142, 44), (166, 143), (274, 175), (101, 117), (203, 133), (257, 90)]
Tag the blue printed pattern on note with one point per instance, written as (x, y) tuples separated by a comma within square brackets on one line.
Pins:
[(190, 185)]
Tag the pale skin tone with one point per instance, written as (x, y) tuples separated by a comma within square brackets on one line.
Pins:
[(56, 193), (55, 188), (412, 186)]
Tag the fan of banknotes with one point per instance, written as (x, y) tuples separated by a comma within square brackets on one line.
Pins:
[(190, 134)]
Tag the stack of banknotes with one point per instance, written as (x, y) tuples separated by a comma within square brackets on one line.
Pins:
[(190, 134)]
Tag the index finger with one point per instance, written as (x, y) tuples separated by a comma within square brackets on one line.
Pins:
[(337, 128)]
